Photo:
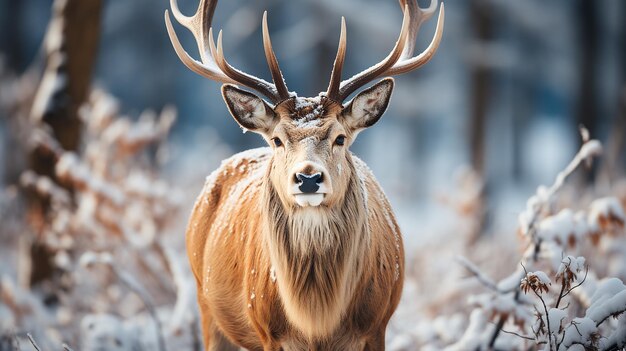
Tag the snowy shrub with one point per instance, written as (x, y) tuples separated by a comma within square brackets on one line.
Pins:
[(110, 209), (563, 295)]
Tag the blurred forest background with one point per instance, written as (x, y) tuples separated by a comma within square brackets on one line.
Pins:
[(469, 137)]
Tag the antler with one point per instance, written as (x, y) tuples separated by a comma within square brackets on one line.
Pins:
[(419, 16), (335, 77), (214, 65), (400, 59)]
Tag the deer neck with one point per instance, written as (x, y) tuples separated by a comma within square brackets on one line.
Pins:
[(318, 256)]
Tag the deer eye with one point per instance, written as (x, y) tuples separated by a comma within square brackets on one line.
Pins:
[(340, 140), (277, 142)]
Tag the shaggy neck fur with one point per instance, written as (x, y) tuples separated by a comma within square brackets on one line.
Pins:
[(318, 255)]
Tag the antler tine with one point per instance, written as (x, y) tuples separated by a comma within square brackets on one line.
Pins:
[(272, 62), (182, 19), (418, 16), (335, 77), (188, 61), (266, 88), (212, 47), (198, 24), (350, 85), (406, 65), (214, 66)]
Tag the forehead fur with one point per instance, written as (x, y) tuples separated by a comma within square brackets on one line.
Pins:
[(308, 112), (307, 117)]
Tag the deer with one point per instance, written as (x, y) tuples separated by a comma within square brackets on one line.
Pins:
[(295, 246)]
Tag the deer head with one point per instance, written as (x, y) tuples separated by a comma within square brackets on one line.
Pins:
[(311, 163)]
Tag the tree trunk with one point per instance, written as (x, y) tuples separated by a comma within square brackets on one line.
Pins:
[(614, 161), (587, 101), (71, 45), (480, 90), (480, 86)]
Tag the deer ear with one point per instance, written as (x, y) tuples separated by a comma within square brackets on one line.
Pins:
[(250, 111), (368, 106)]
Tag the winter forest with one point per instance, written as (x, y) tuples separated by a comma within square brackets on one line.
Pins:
[(503, 159)]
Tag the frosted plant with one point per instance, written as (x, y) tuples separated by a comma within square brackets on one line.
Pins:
[(537, 306), (109, 197)]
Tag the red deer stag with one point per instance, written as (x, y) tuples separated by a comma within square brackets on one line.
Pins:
[(295, 246)]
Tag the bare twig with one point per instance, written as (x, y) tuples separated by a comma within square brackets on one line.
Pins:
[(17, 342), (483, 278), (33, 342), (561, 296), (575, 325), (37, 347), (133, 285), (545, 308), (524, 268), (558, 345), (614, 313), (519, 335), (588, 150), (501, 321), (579, 284)]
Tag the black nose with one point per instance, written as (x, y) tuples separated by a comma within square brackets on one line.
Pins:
[(309, 183)]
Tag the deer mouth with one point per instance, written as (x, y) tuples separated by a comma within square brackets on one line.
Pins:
[(311, 196), (313, 200)]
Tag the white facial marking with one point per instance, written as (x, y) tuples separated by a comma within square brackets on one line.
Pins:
[(305, 200)]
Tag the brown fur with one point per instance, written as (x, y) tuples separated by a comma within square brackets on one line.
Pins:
[(275, 276)]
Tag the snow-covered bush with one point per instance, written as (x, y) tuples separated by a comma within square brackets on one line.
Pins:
[(567, 291), (109, 212)]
